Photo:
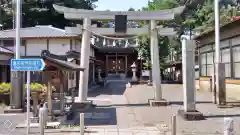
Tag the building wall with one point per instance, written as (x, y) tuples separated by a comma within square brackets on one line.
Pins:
[(5, 57), (59, 46), (34, 47), (232, 88), (76, 46), (230, 56), (22, 49)]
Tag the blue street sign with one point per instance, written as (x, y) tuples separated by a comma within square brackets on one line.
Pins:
[(27, 64)]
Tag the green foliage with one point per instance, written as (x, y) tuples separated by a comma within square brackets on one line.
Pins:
[(197, 17), (5, 87), (164, 42), (41, 12), (203, 19), (36, 87), (147, 65)]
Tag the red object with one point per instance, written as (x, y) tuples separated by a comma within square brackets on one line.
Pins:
[(235, 18)]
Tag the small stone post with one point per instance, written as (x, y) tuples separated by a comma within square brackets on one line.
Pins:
[(228, 126), (35, 103), (42, 118)]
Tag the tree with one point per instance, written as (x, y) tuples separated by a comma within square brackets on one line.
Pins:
[(203, 19), (164, 42), (41, 12), (197, 17)]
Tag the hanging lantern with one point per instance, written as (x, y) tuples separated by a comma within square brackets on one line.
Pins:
[(114, 43), (104, 41), (126, 43)]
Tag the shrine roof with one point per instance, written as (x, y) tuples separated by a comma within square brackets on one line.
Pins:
[(59, 62)]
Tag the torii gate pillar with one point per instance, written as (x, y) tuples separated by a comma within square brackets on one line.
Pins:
[(84, 61), (156, 74)]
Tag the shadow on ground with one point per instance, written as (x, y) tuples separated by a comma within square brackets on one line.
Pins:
[(114, 87), (221, 116), (197, 102), (94, 117), (125, 105)]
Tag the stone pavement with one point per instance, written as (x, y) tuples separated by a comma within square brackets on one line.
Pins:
[(130, 113), (213, 124)]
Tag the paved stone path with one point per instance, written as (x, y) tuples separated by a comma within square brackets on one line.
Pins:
[(131, 115)]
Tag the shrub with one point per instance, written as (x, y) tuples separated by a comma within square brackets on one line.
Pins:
[(36, 87), (5, 87)]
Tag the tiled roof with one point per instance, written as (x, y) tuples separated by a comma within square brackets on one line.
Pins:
[(231, 23), (37, 31)]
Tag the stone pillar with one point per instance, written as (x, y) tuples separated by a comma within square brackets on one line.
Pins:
[(221, 93), (61, 96), (156, 74), (84, 60), (189, 111), (155, 61), (16, 91), (49, 97), (35, 96), (93, 73), (62, 85), (126, 65), (188, 47)]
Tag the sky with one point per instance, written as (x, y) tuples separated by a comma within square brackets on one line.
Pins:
[(120, 5)]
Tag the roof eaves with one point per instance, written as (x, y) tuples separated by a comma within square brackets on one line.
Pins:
[(212, 30)]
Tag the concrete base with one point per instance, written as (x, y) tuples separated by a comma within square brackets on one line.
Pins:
[(81, 106), (225, 106), (191, 116), (153, 102), (13, 110), (51, 125), (134, 82), (34, 119)]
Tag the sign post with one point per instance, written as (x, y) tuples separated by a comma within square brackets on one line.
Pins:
[(27, 65)]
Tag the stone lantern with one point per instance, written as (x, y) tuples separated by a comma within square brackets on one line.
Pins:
[(134, 70), (99, 74)]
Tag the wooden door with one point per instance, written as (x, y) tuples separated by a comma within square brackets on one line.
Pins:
[(116, 65), (121, 65), (112, 65)]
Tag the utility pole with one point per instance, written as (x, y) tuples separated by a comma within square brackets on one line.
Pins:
[(217, 46)]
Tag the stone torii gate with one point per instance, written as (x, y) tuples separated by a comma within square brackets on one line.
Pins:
[(88, 15)]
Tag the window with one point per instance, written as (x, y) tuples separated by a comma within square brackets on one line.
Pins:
[(209, 64), (203, 70), (236, 61), (203, 64), (225, 58)]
